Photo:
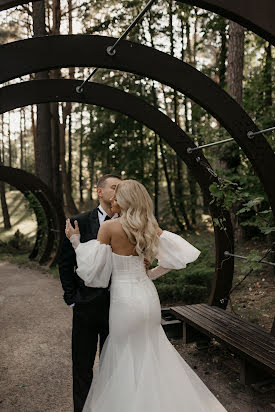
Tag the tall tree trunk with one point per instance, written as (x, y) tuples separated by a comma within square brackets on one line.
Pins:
[(235, 61), (58, 132), (156, 176), (156, 166), (169, 187), (21, 139), (5, 211), (43, 157), (141, 145), (178, 167), (223, 54), (71, 207), (9, 137), (2, 140), (268, 76), (190, 125), (81, 156), (34, 129), (55, 145), (91, 159), (69, 172), (235, 88), (69, 108)]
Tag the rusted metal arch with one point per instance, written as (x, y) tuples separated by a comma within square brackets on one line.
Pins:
[(248, 13), (38, 54), (27, 182), (42, 91)]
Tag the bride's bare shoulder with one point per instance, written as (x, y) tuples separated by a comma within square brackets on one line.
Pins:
[(112, 225)]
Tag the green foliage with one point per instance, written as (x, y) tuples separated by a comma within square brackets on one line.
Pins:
[(18, 243), (42, 225), (251, 263), (246, 198), (192, 284), (226, 194)]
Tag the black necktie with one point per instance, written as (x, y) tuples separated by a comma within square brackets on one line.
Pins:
[(107, 218)]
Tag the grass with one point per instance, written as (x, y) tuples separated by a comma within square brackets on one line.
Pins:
[(21, 218)]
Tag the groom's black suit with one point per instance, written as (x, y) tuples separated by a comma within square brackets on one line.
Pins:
[(90, 313)]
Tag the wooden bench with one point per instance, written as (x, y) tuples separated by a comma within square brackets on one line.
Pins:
[(255, 347)]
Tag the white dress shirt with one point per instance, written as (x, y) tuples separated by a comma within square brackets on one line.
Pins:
[(102, 215)]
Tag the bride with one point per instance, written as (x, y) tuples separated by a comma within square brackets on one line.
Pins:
[(139, 369)]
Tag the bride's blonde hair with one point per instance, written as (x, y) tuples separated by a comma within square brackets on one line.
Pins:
[(137, 217)]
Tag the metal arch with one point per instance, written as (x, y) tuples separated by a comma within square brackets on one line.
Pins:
[(248, 13), (38, 54), (27, 182), (42, 91)]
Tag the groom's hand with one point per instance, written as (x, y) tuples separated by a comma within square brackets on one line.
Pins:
[(147, 265), (69, 230)]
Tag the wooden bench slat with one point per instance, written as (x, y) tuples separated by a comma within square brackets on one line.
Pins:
[(198, 321), (240, 321), (242, 326), (259, 340), (223, 326)]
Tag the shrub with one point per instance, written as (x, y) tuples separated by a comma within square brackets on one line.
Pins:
[(18, 242), (192, 284)]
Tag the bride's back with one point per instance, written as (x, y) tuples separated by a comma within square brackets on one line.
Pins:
[(119, 241)]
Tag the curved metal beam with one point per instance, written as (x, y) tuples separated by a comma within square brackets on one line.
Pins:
[(42, 91), (249, 13), (44, 53), (29, 183)]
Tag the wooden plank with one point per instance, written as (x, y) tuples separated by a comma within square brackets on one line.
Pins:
[(257, 345), (221, 319), (244, 328), (251, 374), (199, 323), (241, 321), (272, 332), (250, 325), (259, 340)]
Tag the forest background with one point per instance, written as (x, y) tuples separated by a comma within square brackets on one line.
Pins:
[(69, 145)]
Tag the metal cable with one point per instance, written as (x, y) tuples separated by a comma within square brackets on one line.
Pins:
[(192, 149), (251, 134), (111, 50)]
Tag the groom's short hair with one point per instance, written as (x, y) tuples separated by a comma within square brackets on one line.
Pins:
[(102, 179)]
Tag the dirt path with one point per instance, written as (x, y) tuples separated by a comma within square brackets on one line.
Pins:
[(35, 338)]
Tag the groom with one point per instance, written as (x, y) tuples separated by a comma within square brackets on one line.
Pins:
[(90, 305)]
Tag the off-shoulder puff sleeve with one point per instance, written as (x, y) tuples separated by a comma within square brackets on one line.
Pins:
[(94, 263), (175, 252)]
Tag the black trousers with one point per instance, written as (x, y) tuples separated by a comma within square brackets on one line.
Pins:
[(90, 321)]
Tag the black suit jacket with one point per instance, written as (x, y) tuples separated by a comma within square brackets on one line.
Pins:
[(74, 288)]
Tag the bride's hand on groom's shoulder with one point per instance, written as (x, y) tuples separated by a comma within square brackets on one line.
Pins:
[(147, 265), (69, 230)]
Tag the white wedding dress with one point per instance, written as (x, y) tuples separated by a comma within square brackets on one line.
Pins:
[(139, 369)]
